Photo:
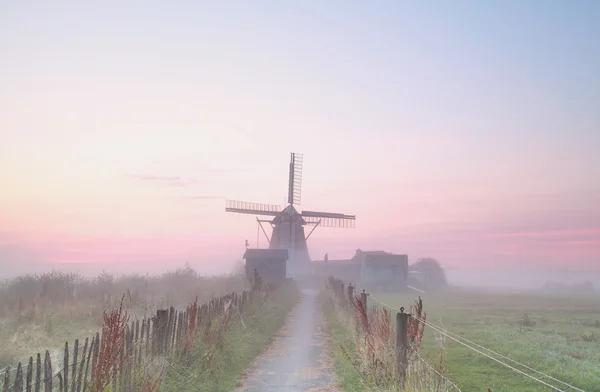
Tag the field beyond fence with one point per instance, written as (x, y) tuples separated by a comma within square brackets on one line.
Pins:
[(126, 355), (482, 341)]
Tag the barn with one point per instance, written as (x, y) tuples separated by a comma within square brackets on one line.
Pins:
[(384, 271), (369, 269), (269, 263)]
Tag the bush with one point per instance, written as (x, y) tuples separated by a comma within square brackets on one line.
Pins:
[(435, 276)]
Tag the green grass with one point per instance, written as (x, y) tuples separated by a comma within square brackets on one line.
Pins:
[(216, 365), (39, 312), (341, 339), (20, 340), (564, 341)]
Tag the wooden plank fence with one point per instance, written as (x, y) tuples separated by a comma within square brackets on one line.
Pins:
[(144, 340)]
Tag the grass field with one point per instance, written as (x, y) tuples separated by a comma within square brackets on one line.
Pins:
[(41, 312), (558, 335)]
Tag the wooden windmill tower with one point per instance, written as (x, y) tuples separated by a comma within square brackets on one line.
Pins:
[(288, 224)]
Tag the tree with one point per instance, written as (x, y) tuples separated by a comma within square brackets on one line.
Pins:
[(435, 276), (239, 269)]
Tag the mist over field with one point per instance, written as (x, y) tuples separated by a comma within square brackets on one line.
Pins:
[(474, 278), (307, 196), (519, 279)]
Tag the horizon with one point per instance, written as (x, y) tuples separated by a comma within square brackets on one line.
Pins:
[(446, 133), (523, 279)]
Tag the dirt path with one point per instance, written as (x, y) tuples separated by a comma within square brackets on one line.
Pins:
[(298, 359)]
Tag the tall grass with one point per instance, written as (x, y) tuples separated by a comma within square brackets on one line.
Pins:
[(219, 354), (366, 338), (113, 340), (28, 297), (41, 311)]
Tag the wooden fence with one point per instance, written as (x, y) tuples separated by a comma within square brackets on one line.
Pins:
[(84, 366)]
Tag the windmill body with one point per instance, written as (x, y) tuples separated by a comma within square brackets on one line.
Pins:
[(288, 225)]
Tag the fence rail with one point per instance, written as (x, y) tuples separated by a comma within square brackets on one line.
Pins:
[(119, 355)]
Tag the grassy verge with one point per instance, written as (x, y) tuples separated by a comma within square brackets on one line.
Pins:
[(226, 348), (342, 345), (365, 353)]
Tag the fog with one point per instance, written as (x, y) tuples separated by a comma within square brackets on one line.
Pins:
[(523, 279), (515, 279)]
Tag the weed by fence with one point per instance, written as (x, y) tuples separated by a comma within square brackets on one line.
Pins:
[(389, 352), (126, 355)]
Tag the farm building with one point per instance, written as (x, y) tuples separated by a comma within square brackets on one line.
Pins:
[(346, 270), (369, 269), (269, 263)]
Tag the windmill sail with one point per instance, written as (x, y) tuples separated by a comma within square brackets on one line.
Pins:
[(329, 219), (244, 207), (295, 179)]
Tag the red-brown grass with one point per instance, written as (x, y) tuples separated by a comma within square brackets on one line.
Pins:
[(192, 328), (416, 326), (149, 385), (113, 341)]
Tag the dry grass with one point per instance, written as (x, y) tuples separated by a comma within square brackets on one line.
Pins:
[(228, 335), (42, 311), (113, 341), (373, 354)]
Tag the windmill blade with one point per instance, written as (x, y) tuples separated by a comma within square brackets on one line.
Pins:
[(244, 207), (295, 179), (329, 219)]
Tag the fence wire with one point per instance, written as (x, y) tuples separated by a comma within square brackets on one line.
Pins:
[(494, 356), (423, 377)]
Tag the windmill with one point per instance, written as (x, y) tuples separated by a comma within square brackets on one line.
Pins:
[(288, 224)]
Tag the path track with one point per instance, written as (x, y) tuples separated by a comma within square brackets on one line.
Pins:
[(298, 359)]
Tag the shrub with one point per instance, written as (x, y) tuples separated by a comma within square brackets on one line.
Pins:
[(435, 274)]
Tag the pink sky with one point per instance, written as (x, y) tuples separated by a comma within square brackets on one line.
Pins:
[(120, 139)]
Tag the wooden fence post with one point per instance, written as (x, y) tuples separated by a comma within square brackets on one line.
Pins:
[(38, 373), (341, 292), (162, 323), (6, 387), (73, 374), (350, 293), (80, 380), (18, 385), (364, 295), (401, 345), (169, 331), (87, 364), (47, 373), (96, 353), (65, 371), (29, 375)]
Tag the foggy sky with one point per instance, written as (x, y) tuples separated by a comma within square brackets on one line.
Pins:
[(464, 131)]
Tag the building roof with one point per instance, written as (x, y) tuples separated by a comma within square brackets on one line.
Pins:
[(385, 258), (335, 262), (266, 254), (365, 256), (362, 255)]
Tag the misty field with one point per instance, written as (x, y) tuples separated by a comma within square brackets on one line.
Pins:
[(42, 312), (558, 335)]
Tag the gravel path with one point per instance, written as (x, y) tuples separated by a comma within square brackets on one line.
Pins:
[(298, 359)]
